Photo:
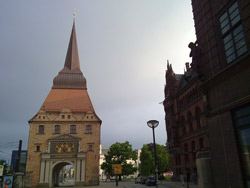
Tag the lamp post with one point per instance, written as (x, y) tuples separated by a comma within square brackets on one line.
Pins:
[(153, 124)]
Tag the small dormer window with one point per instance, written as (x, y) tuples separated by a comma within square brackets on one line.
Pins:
[(69, 116), (63, 116)]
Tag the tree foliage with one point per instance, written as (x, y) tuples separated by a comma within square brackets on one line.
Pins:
[(147, 161), (147, 166), (163, 158), (120, 153)]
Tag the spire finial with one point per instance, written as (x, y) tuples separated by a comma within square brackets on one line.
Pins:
[(74, 15)]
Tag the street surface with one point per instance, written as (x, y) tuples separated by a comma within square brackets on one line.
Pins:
[(164, 184)]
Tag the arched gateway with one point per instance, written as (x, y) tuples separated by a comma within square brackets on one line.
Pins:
[(59, 178), (63, 150), (65, 131)]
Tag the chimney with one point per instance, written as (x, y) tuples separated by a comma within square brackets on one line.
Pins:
[(187, 66)]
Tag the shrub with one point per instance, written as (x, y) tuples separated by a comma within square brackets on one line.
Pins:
[(161, 177)]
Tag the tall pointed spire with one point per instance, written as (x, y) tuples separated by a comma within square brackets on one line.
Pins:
[(72, 58), (71, 76)]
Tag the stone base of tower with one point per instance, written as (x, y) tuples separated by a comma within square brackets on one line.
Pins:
[(80, 184), (93, 182)]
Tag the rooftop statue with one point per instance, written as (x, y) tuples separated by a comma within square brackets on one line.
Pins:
[(195, 53)]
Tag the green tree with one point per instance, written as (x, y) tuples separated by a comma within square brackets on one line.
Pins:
[(147, 166), (163, 158), (147, 161), (120, 153)]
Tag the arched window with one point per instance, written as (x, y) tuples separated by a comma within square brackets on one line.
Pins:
[(193, 145), (41, 129), (198, 117), (88, 129), (186, 153), (189, 120), (185, 147), (193, 150), (183, 125), (72, 129), (201, 142), (57, 129)]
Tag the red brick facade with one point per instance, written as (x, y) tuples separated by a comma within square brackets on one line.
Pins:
[(222, 93), (186, 123)]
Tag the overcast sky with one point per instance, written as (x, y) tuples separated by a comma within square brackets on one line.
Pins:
[(123, 47)]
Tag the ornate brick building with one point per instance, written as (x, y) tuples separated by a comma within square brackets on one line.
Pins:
[(186, 123), (223, 35), (66, 129)]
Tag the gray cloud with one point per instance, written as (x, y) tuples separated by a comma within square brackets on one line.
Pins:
[(123, 48)]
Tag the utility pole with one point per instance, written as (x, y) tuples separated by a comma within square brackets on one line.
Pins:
[(18, 156)]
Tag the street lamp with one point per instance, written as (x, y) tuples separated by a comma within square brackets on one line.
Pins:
[(153, 124)]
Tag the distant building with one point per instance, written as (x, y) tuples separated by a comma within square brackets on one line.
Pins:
[(66, 129), (185, 119), (137, 163), (103, 151), (22, 164)]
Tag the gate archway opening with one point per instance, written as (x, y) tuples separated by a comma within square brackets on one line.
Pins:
[(63, 175)]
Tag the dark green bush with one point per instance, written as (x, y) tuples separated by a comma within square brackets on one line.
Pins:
[(161, 177)]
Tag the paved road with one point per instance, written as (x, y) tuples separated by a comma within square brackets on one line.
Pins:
[(133, 185), (164, 184)]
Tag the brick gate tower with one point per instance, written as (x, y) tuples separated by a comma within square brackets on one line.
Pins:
[(66, 129)]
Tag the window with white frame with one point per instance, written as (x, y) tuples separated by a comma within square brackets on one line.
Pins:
[(232, 33)]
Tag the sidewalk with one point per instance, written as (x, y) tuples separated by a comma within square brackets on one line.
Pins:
[(102, 185), (176, 184)]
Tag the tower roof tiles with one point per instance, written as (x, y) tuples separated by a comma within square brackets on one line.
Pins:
[(69, 86), (77, 100)]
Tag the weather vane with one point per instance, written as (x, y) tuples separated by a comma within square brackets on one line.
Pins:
[(74, 14)]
